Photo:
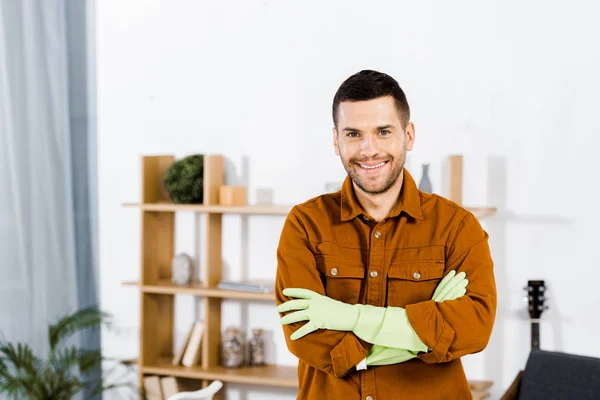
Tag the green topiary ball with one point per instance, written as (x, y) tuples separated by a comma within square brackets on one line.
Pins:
[(184, 179)]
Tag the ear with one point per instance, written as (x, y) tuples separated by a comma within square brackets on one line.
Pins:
[(410, 136), (335, 141)]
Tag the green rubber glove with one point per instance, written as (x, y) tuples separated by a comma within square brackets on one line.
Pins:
[(320, 311), (390, 327), (377, 325), (387, 326), (381, 355), (451, 287)]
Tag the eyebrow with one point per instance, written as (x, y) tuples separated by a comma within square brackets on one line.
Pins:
[(379, 128)]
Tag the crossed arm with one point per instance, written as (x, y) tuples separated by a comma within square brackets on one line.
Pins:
[(434, 331), (387, 328)]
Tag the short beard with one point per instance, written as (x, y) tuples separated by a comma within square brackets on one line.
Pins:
[(397, 166)]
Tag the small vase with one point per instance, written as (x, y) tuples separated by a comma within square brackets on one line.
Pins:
[(425, 183), (181, 269)]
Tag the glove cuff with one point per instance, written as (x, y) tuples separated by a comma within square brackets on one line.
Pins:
[(387, 326)]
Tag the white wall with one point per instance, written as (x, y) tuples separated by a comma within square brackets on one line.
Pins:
[(512, 85)]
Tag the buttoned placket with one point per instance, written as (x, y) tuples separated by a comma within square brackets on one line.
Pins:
[(375, 280), (376, 257)]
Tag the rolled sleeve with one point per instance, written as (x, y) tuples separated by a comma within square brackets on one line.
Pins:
[(436, 333), (347, 354)]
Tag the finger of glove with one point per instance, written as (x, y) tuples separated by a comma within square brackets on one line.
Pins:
[(295, 317), (456, 282), (456, 292), (459, 282), (443, 283), (299, 293), (446, 294), (293, 305), (304, 330)]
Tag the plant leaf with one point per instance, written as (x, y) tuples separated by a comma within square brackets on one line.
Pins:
[(19, 371), (86, 360), (21, 358), (13, 386), (85, 318)]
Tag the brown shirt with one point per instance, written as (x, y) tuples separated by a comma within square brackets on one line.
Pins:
[(329, 245)]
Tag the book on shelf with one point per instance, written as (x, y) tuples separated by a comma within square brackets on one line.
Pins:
[(178, 355), (152, 388), (171, 386), (189, 352), (248, 285), (193, 349), (163, 387)]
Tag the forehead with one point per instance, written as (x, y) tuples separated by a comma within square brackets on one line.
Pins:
[(368, 114)]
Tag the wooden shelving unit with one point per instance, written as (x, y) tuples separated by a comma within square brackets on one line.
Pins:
[(157, 293), (198, 289)]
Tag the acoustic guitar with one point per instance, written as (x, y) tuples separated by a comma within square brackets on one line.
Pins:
[(536, 298)]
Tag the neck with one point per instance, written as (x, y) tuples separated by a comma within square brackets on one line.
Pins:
[(535, 334), (379, 205)]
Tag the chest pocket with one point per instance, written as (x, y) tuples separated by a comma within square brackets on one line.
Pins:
[(342, 278), (412, 282)]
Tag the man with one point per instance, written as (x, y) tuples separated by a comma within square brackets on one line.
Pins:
[(382, 287)]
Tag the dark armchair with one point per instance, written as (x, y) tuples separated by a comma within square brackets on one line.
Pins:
[(552, 376)]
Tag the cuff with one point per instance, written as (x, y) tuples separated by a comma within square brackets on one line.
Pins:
[(436, 333), (348, 353), (362, 365)]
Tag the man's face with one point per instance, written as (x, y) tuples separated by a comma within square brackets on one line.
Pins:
[(372, 143)]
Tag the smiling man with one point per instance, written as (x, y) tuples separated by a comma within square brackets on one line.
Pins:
[(382, 288)]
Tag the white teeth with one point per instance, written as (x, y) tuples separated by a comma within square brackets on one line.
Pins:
[(373, 167)]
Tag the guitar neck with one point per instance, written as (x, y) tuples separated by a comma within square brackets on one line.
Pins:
[(535, 335)]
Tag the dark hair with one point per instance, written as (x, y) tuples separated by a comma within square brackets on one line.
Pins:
[(369, 85)]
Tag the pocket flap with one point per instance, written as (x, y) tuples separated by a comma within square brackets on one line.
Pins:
[(417, 271), (335, 267)]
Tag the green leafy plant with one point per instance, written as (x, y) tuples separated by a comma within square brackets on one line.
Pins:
[(64, 372), (184, 179)]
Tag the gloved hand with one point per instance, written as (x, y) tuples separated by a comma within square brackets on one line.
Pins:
[(378, 325), (451, 287), (320, 311)]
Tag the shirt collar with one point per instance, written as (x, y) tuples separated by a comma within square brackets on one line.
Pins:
[(409, 201)]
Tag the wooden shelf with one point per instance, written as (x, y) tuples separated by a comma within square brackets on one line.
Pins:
[(480, 385), (213, 209), (268, 375), (482, 212), (197, 289), (479, 212)]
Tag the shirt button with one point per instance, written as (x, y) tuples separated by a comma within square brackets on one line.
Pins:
[(369, 398), (334, 271), (373, 274), (377, 235), (417, 275)]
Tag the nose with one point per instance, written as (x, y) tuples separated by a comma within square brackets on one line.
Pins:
[(368, 146)]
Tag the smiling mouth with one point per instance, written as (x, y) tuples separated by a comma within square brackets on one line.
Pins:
[(372, 167)]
